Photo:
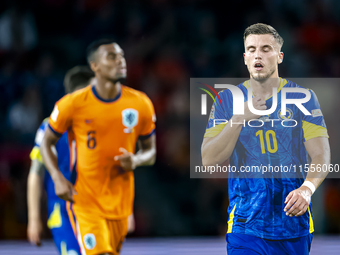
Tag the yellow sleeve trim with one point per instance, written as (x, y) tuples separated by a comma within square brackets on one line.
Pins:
[(283, 82), (247, 84), (311, 130), (231, 220), (214, 131), (35, 154), (311, 224)]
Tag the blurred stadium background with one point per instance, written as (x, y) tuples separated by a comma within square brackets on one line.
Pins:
[(165, 42)]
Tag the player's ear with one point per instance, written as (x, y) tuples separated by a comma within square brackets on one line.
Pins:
[(93, 66), (244, 58), (280, 57)]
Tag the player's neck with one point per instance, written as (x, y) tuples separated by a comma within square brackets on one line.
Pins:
[(107, 89), (264, 88)]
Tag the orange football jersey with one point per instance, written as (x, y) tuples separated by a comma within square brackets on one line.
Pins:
[(100, 128)]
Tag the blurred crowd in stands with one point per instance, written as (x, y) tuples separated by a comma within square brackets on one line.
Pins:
[(165, 42)]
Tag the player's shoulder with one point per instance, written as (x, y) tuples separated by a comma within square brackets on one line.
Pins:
[(292, 84), (43, 125), (227, 94), (76, 97), (40, 132), (80, 94), (44, 122), (134, 94), (130, 92)]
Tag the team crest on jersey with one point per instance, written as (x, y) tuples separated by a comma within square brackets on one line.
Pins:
[(89, 241), (130, 119), (289, 114)]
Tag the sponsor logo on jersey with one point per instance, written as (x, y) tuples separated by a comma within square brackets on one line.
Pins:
[(88, 121), (89, 241)]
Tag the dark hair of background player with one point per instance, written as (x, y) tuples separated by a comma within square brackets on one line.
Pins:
[(78, 76)]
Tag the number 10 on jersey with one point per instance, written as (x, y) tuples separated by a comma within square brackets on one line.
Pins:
[(271, 141)]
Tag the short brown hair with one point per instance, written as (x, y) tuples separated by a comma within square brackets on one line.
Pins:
[(262, 29), (78, 76)]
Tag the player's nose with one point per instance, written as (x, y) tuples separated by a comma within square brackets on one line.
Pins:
[(121, 60), (258, 54)]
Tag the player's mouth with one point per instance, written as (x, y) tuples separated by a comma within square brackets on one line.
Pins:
[(121, 70), (258, 66)]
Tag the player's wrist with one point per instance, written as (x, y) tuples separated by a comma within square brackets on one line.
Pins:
[(135, 162), (56, 175), (238, 119), (309, 185), (34, 219)]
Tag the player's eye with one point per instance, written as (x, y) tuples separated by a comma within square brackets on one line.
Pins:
[(111, 56)]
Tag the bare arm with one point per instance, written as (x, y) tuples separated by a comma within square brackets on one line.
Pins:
[(320, 153), (131, 224), (63, 188), (298, 200), (34, 189), (146, 156), (216, 150)]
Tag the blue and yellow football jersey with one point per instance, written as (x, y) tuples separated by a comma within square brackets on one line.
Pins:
[(256, 204), (63, 151), (58, 216)]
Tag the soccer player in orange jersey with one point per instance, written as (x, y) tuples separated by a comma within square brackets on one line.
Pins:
[(107, 119)]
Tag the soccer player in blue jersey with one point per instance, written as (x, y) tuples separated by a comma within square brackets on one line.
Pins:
[(58, 217), (268, 215)]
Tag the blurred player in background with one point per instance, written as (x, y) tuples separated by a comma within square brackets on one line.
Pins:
[(107, 119), (58, 218), (268, 215)]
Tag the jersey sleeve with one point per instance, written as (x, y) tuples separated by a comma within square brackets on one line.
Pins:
[(313, 125), (61, 116), (148, 119), (35, 153), (218, 117)]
